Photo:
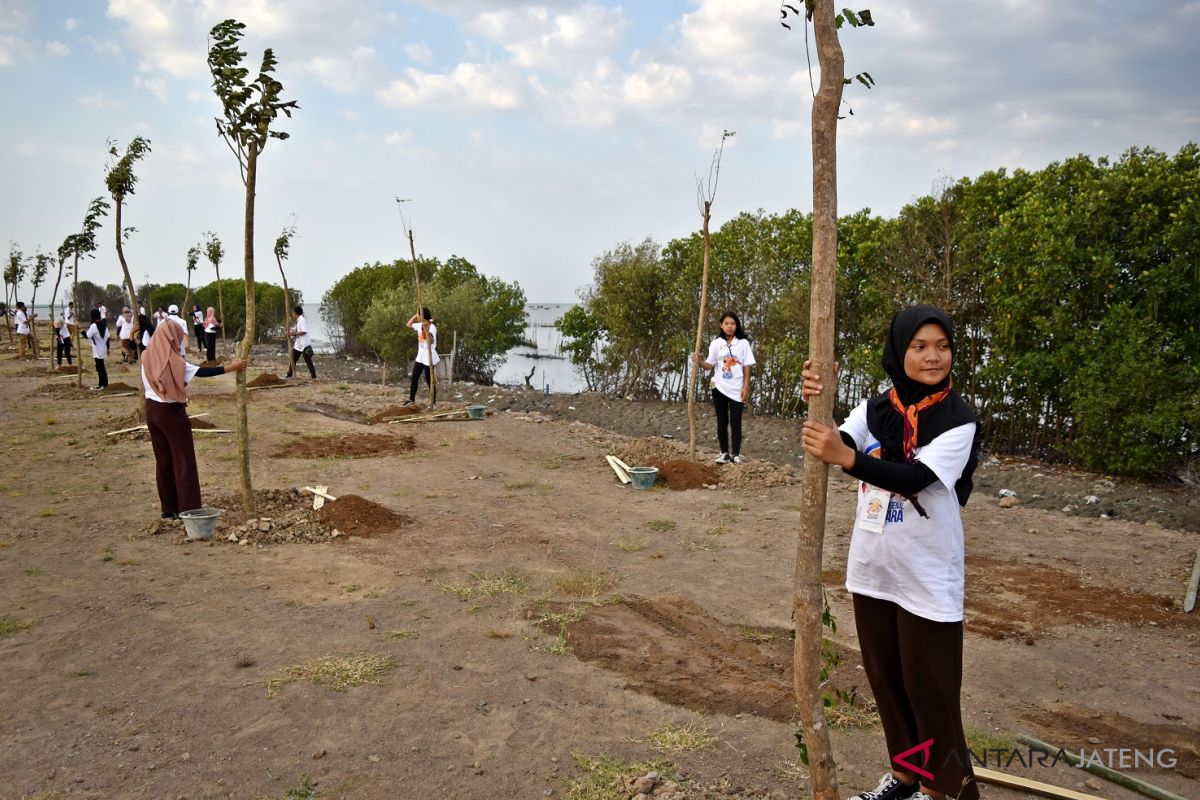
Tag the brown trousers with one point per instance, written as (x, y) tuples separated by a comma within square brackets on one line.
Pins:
[(914, 666), (174, 456)]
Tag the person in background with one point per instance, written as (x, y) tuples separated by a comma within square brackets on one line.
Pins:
[(301, 344), (165, 376), (427, 356), (211, 326), (173, 316), (70, 321), (198, 326), (24, 331), (125, 335), (62, 340), (730, 357), (97, 334)]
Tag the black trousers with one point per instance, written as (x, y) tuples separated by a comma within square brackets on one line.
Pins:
[(296, 354), (415, 381), (101, 373), (914, 666), (199, 331), (175, 470), (64, 346), (729, 418), (210, 341)]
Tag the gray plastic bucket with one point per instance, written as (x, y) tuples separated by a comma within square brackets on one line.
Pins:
[(476, 411), (200, 523), (643, 477)]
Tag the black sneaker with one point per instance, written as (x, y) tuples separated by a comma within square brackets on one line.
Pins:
[(170, 516), (889, 788)]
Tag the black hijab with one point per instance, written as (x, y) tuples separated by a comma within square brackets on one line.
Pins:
[(886, 424), (100, 321)]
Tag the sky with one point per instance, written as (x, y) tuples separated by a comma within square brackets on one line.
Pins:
[(531, 137)]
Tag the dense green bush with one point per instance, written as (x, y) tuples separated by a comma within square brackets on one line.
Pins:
[(1075, 293), (368, 308)]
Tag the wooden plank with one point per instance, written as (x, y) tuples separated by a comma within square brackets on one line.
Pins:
[(1189, 602), (1027, 785), (423, 417), (615, 464)]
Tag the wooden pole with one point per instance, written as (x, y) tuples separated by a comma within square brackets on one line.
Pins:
[(694, 378), (807, 596)]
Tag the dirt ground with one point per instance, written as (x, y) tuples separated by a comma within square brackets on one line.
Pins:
[(512, 616)]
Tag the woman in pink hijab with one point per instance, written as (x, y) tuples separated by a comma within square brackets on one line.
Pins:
[(165, 376), (211, 326)]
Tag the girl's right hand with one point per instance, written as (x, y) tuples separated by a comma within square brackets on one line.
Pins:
[(812, 384), (696, 359)]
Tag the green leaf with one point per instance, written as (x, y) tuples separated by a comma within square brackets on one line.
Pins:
[(851, 17)]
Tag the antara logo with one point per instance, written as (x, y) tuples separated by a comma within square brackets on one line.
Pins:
[(923, 748)]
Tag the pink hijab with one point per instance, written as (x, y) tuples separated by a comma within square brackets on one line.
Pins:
[(210, 317), (163, 365)]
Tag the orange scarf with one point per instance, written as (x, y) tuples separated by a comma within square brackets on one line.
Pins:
[(909, 415)]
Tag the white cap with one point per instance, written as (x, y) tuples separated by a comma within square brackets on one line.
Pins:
[(172, 309)]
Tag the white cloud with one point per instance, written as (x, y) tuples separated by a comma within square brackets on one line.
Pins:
[(99, 101), (58, 49), (656, 85), (104, 47), (350, 116), (419, 52), (156, 86), (345, 73), (476, 86), (538, 38), (70, 23), (396, 138), (13, 48)]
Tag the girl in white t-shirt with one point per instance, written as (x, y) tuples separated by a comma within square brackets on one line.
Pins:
[(730, 356), (427, 355), (914, 449), (97, 334), (301, 344)]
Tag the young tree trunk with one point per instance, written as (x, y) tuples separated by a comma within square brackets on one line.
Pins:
[(807, 603), (412, 249), (183, 309), (33, 340), (53, 315), (287, 309), (129, 287), (74, 338), (243, 416), (221, 296), (695, 371)]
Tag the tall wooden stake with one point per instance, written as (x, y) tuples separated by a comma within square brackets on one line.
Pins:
[(412, 249), (807, 602)]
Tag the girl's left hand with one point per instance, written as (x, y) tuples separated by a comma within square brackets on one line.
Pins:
[(825, 443), (745, 394)]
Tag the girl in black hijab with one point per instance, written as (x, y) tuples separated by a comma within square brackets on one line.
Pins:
[(913, 449)]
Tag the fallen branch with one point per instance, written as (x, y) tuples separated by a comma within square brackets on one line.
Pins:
[(1033, 787), (143, 427), (211, 430), (1119, 778), (423, 417)]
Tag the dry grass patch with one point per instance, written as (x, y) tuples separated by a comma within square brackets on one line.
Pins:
[(750, 634), (672, 738), (694, 545), (602, 776), (489, 584), (403, 635), (11, 627), (338, 674), (589, 583), (662, 524), (631, 545)]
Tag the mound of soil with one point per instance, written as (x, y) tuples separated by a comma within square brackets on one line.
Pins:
[(679, 474), (120, 387), (353, 445), (282, 516), (753, 474), (267, 379), (395, 411), (672, 649), (357, 516), (202, 423)]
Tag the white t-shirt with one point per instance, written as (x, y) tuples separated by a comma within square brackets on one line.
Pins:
[(728, 360), (916, 563), (423, 348), (64, 333), (197, 317), (189, 372), (99, 343), (302, 339), (178, 320), (124, 328), (69, 317), (103, 312), (22, 322)]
